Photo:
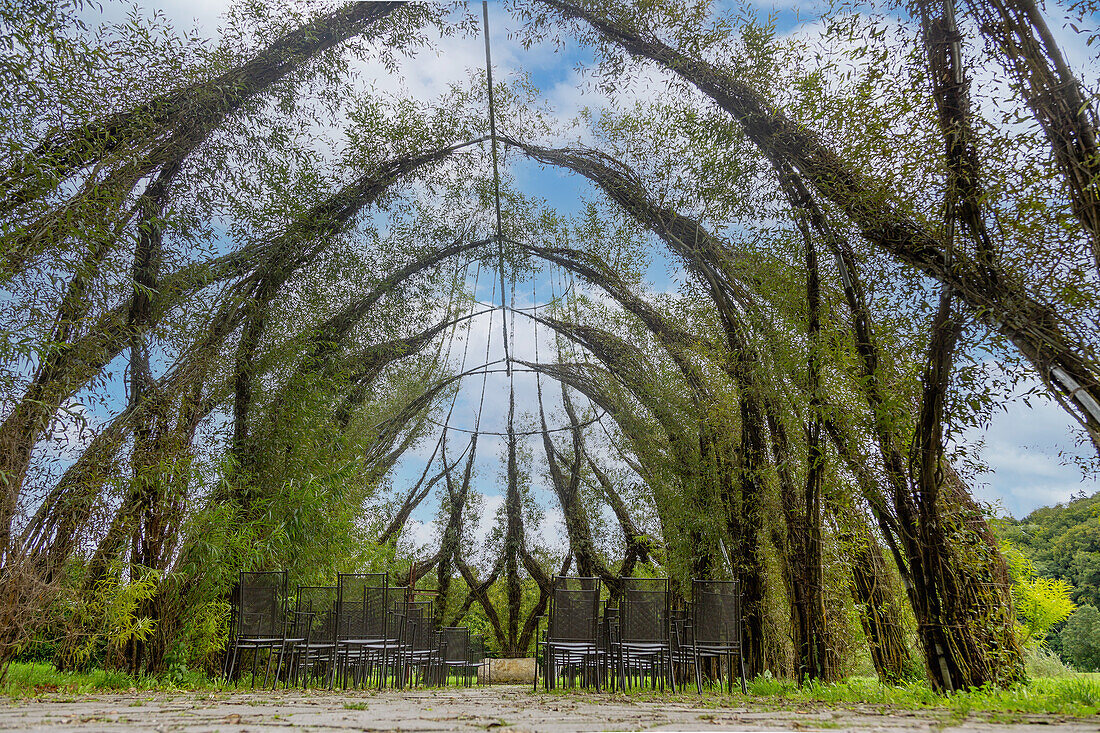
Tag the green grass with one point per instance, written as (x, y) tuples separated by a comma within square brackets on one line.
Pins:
[(31, 679), (1076, 695)]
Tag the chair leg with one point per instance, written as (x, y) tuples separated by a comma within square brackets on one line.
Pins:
[(278, 667), (232, 663), (741, 663), (267, 669), (225, 662), (698, 676), (535, 687)]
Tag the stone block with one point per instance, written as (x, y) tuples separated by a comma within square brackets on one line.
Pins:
[(507, 671)]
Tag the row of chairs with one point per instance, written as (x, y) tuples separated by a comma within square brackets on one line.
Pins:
[(358, 632), (641, 640)]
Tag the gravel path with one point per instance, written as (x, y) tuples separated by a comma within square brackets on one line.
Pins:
[(500, 708)]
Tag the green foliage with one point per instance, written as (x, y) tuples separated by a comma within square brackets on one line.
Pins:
[(1081, 639), (31, 679), (121, 604), (1076, 694), (1042, 661), (1063, 542), (111, 618), (1041, 603)]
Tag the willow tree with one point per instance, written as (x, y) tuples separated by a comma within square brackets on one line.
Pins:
[(772, 409)]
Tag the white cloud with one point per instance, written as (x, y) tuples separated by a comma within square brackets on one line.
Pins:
[(1028, 454)]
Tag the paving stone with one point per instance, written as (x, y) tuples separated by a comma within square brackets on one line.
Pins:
[(497, 708)]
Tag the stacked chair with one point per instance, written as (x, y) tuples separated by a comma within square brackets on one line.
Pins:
[(715, 628), (571, 648), (640, 641), (362, 632), (369, 635), (476, 658), (419, 652), (643, 643), (311, 644), (455, 654), (359, 632), (259, 620)]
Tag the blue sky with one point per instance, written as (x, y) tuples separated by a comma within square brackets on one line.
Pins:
[(1029, 449)]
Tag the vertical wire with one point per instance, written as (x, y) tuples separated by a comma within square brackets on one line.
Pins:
[(452, 314), (496, 181), (511, 374), (485, 374), (535, 332)]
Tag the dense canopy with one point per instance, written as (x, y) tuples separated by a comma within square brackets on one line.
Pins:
[(267, 307)]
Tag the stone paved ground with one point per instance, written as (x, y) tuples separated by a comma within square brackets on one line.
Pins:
[(500, 708)]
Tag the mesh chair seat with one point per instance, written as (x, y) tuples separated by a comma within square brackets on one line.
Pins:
[(259, 619), (645, 646), (644, 634), (572, 629), (716, 625), (575, 645), (718, 648)]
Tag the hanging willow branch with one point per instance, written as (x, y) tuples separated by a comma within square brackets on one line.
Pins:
[(273, 261), (1017, 34), (157, 129), (1041, 334)]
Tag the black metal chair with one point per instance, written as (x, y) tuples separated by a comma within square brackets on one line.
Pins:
[(260, 619), (644, 643), (298, 630), (454, 654), (571, 643), (715, 629), (363, 641), (317, 648), (477, 657), (418, 652)]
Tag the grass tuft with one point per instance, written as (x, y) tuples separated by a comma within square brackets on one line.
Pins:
[(33, 679), (1076, 695)]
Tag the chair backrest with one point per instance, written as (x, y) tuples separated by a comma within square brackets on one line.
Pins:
[(716, 612), (457, 641), (574, 610), (259, 601), (475, 651), (395, 612), (361, 600), (319, 600), (644, 610), (419, 634)]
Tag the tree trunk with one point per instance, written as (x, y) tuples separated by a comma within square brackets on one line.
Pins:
[(880, 607)]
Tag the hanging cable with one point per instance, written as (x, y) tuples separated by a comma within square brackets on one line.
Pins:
[(496, 178), (523, 310), (485, 376), (465, 351), (449, 341), (535, 334)]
